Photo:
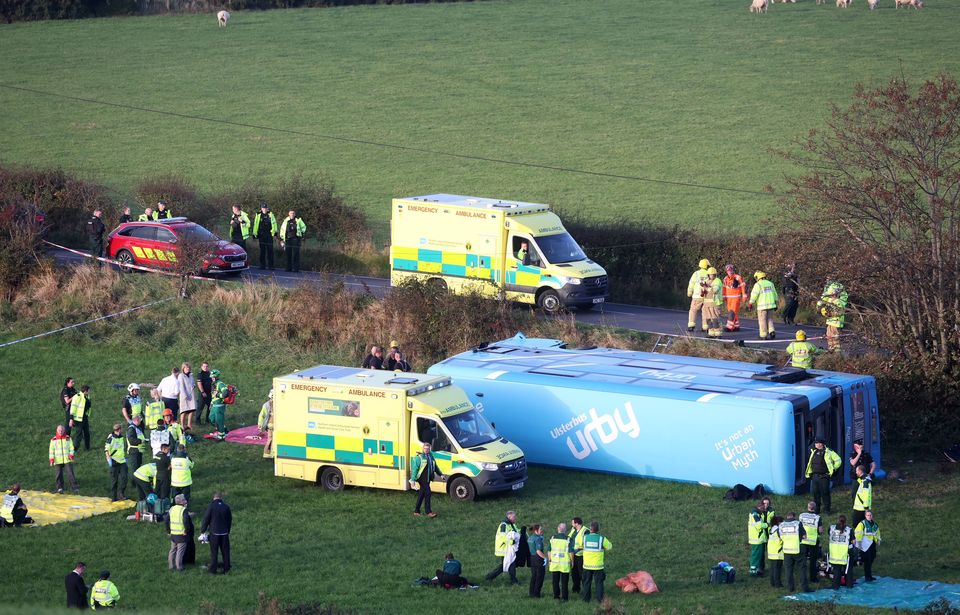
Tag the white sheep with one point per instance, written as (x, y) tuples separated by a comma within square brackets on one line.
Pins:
[(759, 6), (917, 4), (842, 4), (873, 4), (222, 18)]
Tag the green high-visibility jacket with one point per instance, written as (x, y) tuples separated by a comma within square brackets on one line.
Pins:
[(756, 528), (577, 536), (502, 541), (301, 228), (104, 593), (864, 498), (868, 529), (181, 474), (78, 407), (834, 307), (61, 450), (775, 544), (698, 276), (764, 295), (594, 547), (256, 224), (802, 353), (791, 533), (811, 528), (839, 550), (833, 462), (244, 225), (116, 448), (147, 473), (560, 553)]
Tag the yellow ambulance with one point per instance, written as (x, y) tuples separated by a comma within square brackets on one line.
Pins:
[(341, 426), (518, 251)]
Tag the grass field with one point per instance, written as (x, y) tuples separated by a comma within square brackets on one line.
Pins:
[(360, 549), (694, 91)]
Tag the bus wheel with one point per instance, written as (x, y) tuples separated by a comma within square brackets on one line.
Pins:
[(331, 479), (549, 301), (462, 489), (438, 284)]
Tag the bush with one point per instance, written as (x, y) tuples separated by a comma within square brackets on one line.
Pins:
[(66, 200), (181, 197), (19, 243)]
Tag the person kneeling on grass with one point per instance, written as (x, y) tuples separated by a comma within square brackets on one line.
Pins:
[(449, 576)]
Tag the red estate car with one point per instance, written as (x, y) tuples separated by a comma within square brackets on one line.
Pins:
[(154, 244)]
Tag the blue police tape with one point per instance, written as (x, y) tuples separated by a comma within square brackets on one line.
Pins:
[(87, 322)]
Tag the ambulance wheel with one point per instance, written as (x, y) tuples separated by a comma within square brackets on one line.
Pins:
[(125, 259), (331, 479), (462, 489), (549, 301)]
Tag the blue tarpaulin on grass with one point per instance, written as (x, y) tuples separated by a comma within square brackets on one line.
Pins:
[(888, 593)]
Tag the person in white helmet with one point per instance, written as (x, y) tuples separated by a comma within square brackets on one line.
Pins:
[(133, 405), (265, 423)]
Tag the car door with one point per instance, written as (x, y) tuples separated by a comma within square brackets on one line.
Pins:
[(165, 249), (142, 244)]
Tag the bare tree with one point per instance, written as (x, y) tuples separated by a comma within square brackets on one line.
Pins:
[(193, 250), (879, 206)]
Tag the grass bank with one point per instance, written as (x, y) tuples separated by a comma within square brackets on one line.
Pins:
[(692, 95)]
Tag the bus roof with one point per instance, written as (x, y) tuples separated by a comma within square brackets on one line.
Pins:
[(410, 382), (549, 362), (474, 202)]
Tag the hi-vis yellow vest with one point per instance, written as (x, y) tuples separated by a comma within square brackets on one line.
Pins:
[(180, 472), (104, 592), (811, 525), (864, 497), (78, 406), (790, 535), (559, 554), (116, 448), (775, 544), (577, 536), (177, 527), (154, 414), (756, 529), (147, 472), (839, 546), (502, 541), (594, 546)]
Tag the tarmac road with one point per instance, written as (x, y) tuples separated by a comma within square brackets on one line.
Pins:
[(660, 321)]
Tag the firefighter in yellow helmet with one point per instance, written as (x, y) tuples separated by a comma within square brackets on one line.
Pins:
[(696, 292), (802, 352), (712, 301), (764, 296), (832, 305)]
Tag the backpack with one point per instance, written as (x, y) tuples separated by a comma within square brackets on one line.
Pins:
[(231, 395)]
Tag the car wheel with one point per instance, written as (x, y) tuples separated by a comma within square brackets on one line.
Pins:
[(331, 479), (549, 301), (125, 259), (462, 489)]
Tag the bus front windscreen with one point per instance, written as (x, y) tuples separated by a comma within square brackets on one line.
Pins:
[(560, 248), (470, 429)]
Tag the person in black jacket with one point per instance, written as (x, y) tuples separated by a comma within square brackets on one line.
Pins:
[(95, 231), (76, 588), (127, 216), (218, 519)]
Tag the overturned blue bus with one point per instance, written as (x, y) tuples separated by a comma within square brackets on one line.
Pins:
[(664, 416)]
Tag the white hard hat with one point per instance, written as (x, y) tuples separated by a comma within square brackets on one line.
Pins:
[(133, 387), (270, 395)]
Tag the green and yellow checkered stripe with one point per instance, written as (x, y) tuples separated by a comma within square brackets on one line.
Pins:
[(460, 264), (338, 449)]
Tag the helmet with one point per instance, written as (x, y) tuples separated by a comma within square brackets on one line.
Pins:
[(133, 386), (167, 412), (801, 335), (704, 263), (712, 271), (215, 373), (152, 499), (759, 275), (823, 311), (394, 344), (270, 394)]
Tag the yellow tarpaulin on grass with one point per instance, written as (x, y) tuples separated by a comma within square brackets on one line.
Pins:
[(50, 508)]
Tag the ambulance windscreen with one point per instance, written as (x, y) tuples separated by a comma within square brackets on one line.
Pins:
[(470, 429)]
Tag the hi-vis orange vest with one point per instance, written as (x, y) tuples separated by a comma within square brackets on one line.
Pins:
[(731, 292)]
